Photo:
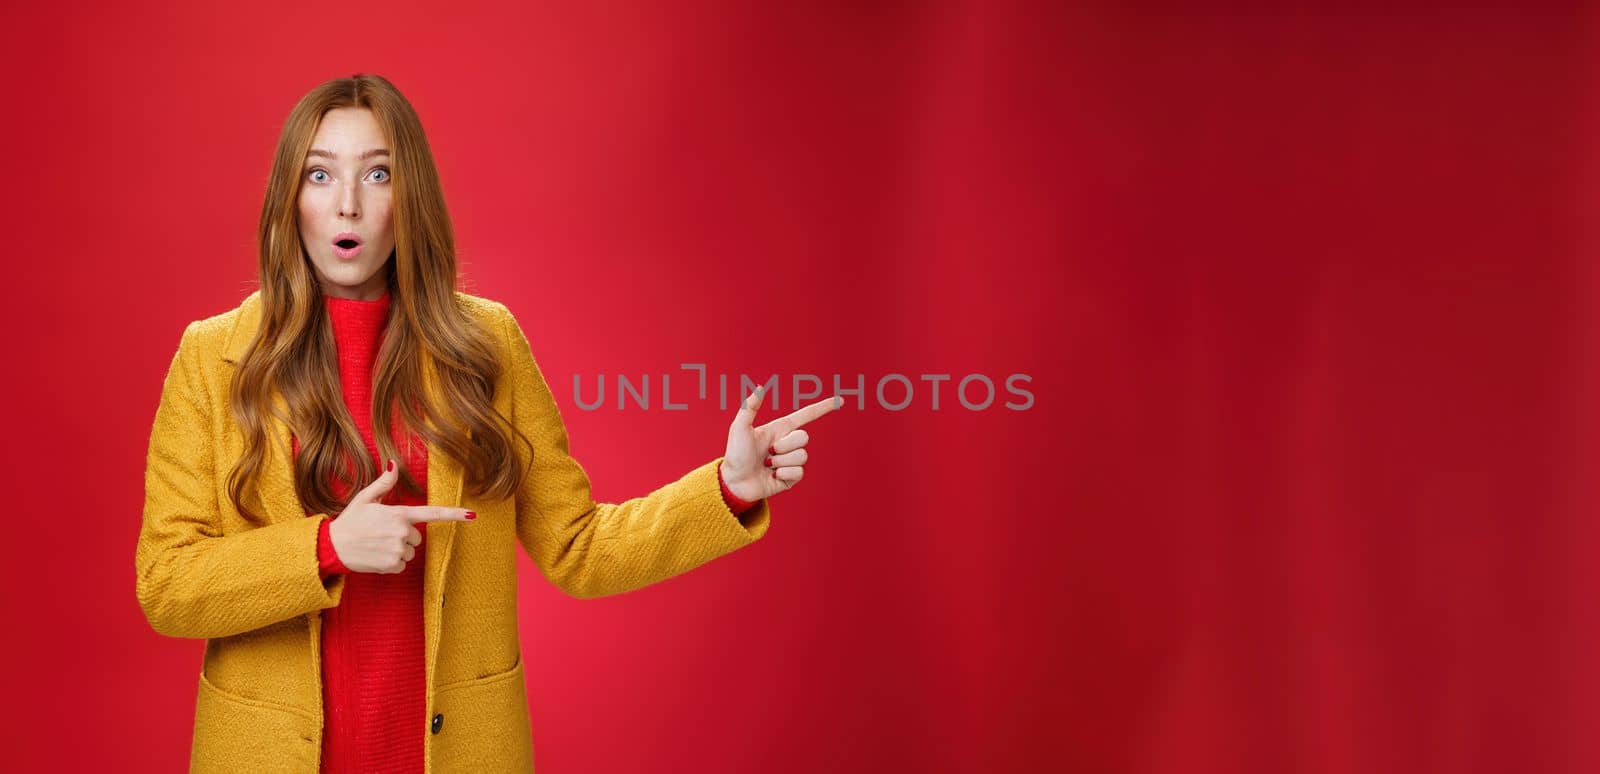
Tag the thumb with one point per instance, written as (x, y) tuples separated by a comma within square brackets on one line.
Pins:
[(747, 410), (380, 486)]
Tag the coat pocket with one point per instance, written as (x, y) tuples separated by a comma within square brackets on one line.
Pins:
[(482, 725), (233, 733)]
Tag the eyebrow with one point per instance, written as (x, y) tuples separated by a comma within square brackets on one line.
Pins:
[(332, 155)]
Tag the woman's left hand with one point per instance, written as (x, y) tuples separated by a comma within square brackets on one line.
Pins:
[(763, 461)]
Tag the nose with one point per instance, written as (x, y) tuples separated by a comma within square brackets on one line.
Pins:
[(349, 201)]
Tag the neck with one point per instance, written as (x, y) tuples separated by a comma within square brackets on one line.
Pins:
[(347, 294)]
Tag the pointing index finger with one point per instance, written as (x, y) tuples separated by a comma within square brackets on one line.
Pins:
[(421, 513), (819, 409)]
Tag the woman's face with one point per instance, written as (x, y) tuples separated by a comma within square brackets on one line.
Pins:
[(345, 195)]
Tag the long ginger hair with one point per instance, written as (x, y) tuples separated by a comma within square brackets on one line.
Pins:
[(294, 354)]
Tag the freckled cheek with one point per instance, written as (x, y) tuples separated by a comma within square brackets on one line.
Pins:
[(311, 208), (307, 218), (383, 213)]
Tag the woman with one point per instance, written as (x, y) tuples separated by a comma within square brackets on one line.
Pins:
[(362, 616)]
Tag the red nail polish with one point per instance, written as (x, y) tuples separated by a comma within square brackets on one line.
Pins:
[(472, 515), (389, 467), (772, 450)]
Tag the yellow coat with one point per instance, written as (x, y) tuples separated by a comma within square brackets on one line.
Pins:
[(255, 595)]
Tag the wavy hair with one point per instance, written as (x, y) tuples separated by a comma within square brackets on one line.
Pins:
[(290, 369)]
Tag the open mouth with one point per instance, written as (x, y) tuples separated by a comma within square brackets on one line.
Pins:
[(347, 245)]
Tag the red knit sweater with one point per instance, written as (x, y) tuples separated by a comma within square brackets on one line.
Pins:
[(373, 669)]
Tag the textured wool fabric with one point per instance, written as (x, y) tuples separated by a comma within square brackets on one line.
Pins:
[(328, 562), (253, 589), (373, 670)]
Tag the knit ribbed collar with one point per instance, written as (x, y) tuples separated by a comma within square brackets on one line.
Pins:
[(378, 306), (357, 325)]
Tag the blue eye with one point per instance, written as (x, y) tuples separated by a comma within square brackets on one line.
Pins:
[(313, 175)]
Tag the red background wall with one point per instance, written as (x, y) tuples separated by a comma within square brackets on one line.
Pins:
[(1305, 295)]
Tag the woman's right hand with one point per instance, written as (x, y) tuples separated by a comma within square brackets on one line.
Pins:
[(372, 537)]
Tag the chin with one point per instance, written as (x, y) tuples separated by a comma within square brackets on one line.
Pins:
[(350, 277)]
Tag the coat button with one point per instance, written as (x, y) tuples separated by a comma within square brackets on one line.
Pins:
[(438, 722)]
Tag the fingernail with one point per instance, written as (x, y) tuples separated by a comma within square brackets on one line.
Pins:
[(837, 401), (769, 462), (390, 467), (472, 515), (772, 450)]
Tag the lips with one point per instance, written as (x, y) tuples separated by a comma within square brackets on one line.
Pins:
[(347, 245)]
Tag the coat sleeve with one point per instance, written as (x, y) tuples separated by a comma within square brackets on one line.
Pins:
[(194, 581), (590, 549)]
